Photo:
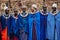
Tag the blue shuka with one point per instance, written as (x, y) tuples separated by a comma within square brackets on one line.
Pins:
[(53, 26), (6, 22), (0, 25), (25, 25), (35, 17), (43, 25), (24, 22), (16, 26), (6, 26), (0, 29), (58, 25)]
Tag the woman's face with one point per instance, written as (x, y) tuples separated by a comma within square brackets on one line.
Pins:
[(32, 10), (7, 11), (54, 8), (44, 8), (15, 13)]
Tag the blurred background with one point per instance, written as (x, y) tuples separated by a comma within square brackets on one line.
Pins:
[(18, 3)]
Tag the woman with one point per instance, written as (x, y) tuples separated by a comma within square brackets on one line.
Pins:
[(53, 26), (34, 23), (43, 21), (6, 24), (15, 26), (24, 21)]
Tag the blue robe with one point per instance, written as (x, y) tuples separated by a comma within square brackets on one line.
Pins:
[(24, 22), (43, 25), (6, 22), (25, 26), (53, 26), (0, 25), (6, 26), (35, 16), (58, 26), (0, 30), (16, 27)]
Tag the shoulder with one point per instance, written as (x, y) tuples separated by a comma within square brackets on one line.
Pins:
[(1, 16), (58, 14), (38, 12)]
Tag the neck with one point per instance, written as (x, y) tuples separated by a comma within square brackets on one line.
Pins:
[(44, 12), (55, 12), (6, 14), (15, 15)]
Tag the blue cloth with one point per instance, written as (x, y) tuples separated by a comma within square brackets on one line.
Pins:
[(16, 27), (37, 18), (6, 23), (25, 26), (0, 25), (58, 26), (53, 26), (24, 22), (43, 25), (15, 24)]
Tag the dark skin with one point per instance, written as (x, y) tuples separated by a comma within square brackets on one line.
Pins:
[(54, 9), (44, 8), (7, 11), (33, 9), (15, 13)]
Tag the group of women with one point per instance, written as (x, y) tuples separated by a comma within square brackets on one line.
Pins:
[(34, 25)]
